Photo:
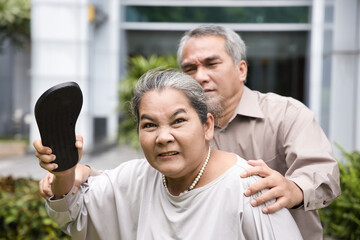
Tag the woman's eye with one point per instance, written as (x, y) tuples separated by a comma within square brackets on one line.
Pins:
[(149, 125), (179, 120)]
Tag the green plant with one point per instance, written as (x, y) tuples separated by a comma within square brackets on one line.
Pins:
[(137, 66), (15, 20), (341, 218), (22, 212)]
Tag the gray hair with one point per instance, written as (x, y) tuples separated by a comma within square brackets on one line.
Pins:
[(234, 45), (159, 80)]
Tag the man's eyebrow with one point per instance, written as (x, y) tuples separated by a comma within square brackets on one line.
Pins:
[(186, 65), (212, 58), (208, 59)]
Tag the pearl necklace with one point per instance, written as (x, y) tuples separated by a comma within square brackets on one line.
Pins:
[(197, 177)]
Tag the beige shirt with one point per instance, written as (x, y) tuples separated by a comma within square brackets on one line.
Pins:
[(283, 132), (130, 202)]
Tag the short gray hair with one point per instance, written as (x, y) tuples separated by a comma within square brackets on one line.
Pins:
[(171, 78), (234, 45)]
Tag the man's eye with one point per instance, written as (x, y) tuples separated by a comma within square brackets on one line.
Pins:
[(188, 70), (213, 63)]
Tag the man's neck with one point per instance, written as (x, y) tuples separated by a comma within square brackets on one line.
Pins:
[(229, 107)]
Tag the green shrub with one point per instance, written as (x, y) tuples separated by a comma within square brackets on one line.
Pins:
[(22, 212), (138, 65), (341, 218), (15, 20)]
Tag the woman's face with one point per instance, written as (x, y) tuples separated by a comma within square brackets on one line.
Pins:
[(171, 134)]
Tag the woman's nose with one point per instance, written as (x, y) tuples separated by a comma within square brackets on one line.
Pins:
[(164, 136)]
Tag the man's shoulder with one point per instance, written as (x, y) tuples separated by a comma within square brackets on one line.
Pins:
[(273, 100)]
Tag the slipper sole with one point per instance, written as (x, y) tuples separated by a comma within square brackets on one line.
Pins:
[(56, 112)]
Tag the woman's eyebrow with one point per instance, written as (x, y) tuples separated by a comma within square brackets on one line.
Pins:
[(144, 116), (181, 110)]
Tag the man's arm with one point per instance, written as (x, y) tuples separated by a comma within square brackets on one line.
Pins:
[(312, 176), (82, 173), (286, 192)]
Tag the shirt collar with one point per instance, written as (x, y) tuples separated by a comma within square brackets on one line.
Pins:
[(249, 104)]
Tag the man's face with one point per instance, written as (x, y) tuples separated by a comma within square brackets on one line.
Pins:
[(206, 60)]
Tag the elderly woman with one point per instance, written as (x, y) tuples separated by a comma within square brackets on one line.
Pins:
[(183, 189)]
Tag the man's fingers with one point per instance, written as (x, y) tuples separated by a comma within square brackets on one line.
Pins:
[(45, 186), (257, 163), (265, 197), (77, 184), (79, 144), (79, 138), (260, 168), (276, 206), (75, 189), (258, 186)]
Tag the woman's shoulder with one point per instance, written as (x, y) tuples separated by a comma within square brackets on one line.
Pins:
[(241, 165), (126, 172)]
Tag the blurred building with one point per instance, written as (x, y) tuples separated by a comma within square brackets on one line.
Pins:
[(307, 49)]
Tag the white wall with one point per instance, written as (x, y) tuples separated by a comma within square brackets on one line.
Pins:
[(66, 46), (345, 79)]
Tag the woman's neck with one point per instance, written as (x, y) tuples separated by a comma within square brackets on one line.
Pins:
[(218, 164)]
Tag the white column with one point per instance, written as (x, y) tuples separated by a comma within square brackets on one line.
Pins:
[(60, 42), (104, 70), (345, 103), (357, 80), (316, 57)]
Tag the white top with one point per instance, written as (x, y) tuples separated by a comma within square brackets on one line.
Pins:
[(130, 202)]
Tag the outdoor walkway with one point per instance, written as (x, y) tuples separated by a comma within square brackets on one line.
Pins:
[(28, 165)]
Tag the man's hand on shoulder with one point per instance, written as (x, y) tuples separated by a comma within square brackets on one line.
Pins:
[(286, 192)]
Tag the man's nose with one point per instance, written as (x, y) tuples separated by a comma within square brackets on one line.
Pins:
[(201, 76)]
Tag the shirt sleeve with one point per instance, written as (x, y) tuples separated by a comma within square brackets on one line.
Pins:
[(257, 225), (77, 214), (94, 172), (66, 211), (310, 160)]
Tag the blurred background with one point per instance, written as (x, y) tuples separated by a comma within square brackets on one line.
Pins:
[(306, 49)]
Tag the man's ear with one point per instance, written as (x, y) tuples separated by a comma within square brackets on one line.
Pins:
[(209, 127), (242, 66)]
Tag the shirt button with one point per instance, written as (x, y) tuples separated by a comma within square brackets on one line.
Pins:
[(324, 202), (308, 204)]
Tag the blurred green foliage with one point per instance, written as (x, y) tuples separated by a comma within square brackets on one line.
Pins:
[(22, 212), (137, 66), (341, 219), (15, 21)]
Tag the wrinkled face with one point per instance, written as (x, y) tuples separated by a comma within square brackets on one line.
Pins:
[(206, 60), (171, 134)]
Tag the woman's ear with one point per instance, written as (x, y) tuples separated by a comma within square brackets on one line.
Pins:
[(209, 127)]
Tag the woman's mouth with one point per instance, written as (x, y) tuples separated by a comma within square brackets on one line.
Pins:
[(168, 154)]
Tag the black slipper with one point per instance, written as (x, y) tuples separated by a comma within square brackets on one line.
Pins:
[(56, 112)]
